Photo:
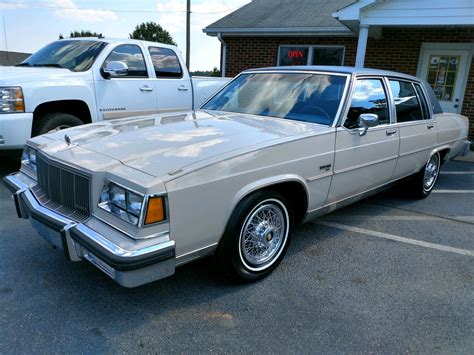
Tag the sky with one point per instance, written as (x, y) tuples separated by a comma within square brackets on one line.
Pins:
[(28, 25)]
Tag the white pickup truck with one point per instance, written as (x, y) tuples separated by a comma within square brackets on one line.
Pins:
[(75, 81)]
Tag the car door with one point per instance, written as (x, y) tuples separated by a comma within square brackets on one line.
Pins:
[(418, 132), (363, 162), (127, 94), (172, 83)]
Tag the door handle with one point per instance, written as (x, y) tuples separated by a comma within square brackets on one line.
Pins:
[(146, 88), (430, 125), (182, 88), (390, 132)]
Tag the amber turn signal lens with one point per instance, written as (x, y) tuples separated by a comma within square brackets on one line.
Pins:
[(155, 211), (19, 103)]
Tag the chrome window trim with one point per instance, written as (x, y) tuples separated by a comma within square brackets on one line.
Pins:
[(426, 97), (319, 72), (349, 102)]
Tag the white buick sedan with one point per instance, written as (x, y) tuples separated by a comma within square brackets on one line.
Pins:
[(275, 147)]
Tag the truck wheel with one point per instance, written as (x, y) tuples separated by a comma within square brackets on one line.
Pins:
[(256, 238), (423, 182), (54, 121)]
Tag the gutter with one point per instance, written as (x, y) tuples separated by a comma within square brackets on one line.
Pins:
[(224, 53), (337, 30)]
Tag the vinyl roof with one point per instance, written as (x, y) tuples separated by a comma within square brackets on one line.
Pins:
[(336, 69)]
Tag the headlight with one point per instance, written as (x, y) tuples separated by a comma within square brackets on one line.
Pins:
[(28, 158), (121, 202), (129, 205), (11, 100)]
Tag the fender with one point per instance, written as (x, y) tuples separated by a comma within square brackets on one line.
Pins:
[(261, 184)]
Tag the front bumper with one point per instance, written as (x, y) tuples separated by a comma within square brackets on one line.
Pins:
[(129, 267), (15, 129)]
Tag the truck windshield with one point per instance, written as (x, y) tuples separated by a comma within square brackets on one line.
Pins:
[(296, 96), (73, 55)]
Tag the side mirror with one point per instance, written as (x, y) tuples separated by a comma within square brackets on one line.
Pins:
[(115, 69), (367, 120)]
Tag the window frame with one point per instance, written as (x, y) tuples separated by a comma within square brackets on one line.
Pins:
[(426, 99), (311, 48), (127, 77), (165, 77), (388, 94)]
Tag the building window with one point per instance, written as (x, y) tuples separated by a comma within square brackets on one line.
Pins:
[(310, 55)]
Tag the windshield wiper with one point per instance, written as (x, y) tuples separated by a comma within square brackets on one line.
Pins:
[(53, 65), (23, 65)]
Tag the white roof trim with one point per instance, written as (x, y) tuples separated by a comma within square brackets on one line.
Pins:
[(279, 30), (352, 12)]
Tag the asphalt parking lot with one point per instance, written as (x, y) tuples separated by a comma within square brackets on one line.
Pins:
[(387, 274)]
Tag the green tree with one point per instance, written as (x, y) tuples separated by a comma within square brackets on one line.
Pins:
[(81, 33), (153, 32)]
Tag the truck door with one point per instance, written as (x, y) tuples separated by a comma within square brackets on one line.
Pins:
[(172, 84), (125, 94)]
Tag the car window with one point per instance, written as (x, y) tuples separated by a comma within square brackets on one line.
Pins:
[(165, 63), (406, 101), (313, 98), (424, 103), (132, 56), (369, 97)]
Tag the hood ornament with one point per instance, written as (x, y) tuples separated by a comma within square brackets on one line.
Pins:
[(67, 139)]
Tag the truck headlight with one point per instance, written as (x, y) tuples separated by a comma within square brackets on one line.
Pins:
[(130, 206), (11, 100), (28, 159)]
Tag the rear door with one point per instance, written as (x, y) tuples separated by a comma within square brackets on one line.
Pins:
[(418, 132), (172, 84), (368, 161)]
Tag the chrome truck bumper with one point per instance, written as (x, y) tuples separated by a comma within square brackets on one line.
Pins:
[(128, 267)]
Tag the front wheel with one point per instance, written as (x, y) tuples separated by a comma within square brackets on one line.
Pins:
[(257, 236), (54, 121), (424, 181)]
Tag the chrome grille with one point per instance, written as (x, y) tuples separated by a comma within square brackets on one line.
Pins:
[(62, 190)]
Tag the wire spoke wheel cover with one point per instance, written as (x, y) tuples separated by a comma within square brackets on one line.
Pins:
[(264, 234), (431, 172)]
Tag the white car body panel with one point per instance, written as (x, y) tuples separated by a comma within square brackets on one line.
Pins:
[(105, 98)]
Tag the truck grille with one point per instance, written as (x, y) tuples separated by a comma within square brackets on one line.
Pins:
[(62, 190)]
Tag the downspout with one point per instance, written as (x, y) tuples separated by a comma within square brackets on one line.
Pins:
[(224, 53)]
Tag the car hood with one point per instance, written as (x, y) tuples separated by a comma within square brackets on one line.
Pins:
[(163, 145), (18, 75)]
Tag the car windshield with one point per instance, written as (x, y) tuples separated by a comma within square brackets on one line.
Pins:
[(295, 96), (67, 54)]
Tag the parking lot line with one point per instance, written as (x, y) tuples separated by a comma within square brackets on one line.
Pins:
[(396, 218), (456, 172), (396, 238), (445, 191)]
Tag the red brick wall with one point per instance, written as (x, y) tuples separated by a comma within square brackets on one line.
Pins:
[(397, 49)]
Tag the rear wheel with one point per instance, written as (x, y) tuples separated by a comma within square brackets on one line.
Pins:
[(423, 182), (257, 236), (54, 121)]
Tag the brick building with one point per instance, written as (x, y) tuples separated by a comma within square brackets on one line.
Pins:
[(432, 39)]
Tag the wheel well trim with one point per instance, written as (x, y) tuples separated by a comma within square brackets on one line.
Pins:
[(444, 147), (92, 114), (260, 185)]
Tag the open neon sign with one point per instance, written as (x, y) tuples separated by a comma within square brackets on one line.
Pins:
[(295, 54)]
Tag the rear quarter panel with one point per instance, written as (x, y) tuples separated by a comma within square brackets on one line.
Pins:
[(452, 131)]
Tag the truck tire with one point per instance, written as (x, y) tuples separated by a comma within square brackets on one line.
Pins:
[(256, 238), (52, 121)]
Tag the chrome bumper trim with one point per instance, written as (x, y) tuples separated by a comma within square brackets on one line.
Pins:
[(131, 268)]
